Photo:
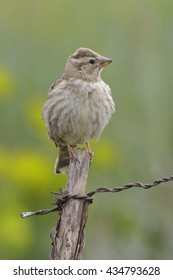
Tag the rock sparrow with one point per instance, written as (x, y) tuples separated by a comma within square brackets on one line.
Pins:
[(79, 106)]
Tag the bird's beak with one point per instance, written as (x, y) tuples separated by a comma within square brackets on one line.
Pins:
[(104, 61)]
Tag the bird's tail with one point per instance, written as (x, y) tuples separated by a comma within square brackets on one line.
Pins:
[(63, 161)]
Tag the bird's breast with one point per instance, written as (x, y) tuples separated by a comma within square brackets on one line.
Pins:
[(82, 111)]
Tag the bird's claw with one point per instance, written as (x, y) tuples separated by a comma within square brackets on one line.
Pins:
[(73, 154), (91, 155)]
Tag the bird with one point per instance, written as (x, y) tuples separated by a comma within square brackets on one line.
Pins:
[(79, 105)]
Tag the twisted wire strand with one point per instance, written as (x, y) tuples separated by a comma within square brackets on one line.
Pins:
[(64, 196), (132, 185)]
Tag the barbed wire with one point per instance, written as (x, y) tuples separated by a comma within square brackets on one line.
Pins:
[(132, 185), (63, 196)]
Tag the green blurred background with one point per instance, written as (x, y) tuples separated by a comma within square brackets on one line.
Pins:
[(36, 37)]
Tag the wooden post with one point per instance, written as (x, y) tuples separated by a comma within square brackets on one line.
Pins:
[(68, 235)]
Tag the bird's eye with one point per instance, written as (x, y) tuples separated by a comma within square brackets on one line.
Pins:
[(92, 61)]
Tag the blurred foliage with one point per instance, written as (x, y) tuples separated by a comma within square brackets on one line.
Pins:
[(36, 39)]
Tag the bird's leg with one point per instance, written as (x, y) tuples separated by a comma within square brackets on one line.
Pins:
[(91, 154), (72, 153), (88, 147)]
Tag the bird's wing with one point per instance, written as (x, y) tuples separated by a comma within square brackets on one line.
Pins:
[(55, 85)]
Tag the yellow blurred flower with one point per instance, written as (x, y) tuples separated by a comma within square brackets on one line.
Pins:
[(25, 167), (13, 232)]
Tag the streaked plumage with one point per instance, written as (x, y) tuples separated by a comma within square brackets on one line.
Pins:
[(79, 105)]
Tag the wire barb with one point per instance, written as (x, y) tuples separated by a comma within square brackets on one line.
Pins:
[(59, 201), (39, 212)]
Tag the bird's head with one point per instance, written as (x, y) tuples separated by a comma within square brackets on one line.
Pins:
[(86, 64)]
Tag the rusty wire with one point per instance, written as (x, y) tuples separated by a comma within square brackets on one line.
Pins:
[(64, 196)]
